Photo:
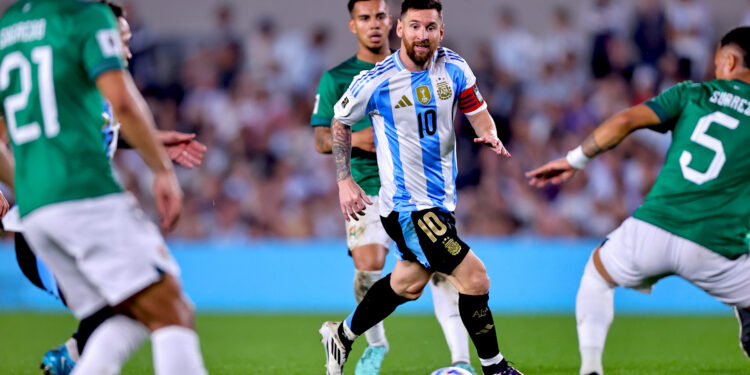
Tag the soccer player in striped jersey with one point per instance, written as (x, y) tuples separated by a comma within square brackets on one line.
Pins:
[(366, 239), (411, 98), (695, 221)]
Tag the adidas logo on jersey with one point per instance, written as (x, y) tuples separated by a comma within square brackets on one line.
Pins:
[(403, 103)]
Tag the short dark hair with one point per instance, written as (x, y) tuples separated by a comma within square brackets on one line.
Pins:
[(116, 8), (739, 37), (351, 3), (422, 4)]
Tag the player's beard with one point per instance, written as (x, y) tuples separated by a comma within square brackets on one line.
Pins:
[(421, 58)]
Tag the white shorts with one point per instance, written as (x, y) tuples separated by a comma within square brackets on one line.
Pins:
[(368, 230), (637, 254), (12, 220), (101, 250)]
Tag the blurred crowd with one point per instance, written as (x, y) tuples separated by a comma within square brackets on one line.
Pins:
[(249, 97)]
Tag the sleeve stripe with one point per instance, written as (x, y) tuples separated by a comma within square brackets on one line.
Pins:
[(469, 107), (466, 99), (319, 121), (658, 110), (106, 65), (480, 109)]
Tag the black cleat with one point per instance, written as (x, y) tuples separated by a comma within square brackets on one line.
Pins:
[(507, 369), (744, 318)]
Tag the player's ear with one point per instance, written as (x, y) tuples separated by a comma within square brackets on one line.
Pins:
[(352, 25), (399, 28), (733, 62), (442, 31)]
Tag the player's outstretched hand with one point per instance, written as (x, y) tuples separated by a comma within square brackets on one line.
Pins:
[(554, 172), (182, 148), (352, 198), (168, 196), (4, 205), (495, 144)]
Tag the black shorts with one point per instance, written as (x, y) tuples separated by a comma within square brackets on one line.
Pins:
[(428, 237)]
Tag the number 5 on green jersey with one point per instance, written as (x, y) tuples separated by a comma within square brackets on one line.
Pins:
[(700, 137)]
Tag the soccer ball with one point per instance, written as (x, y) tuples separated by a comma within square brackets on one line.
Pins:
[(450, 371)]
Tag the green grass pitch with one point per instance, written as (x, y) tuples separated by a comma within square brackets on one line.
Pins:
[(538, 344)]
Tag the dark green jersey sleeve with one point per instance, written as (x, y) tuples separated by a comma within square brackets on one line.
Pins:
[(101, 44), (325, 98), (668, 105)]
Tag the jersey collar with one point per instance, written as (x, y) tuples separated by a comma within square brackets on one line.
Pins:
[(397, 60), (746, 84)]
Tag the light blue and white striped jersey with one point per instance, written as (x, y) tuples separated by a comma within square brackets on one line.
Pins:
[(412, 116)]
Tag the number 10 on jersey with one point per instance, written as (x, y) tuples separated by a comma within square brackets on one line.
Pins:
[(427, 122)]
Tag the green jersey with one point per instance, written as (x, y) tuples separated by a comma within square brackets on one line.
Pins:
[(51, 52), (703, 190), (332, 86)]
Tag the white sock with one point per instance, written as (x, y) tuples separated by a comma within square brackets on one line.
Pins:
[(491, 361), (110, 346), (177, 352), (445, 301), (594, 313), (72, 346), (348, 332), (363, 280)]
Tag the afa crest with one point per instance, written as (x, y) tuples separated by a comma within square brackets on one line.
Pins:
[(444, 90), (424, 95), (452, 246)]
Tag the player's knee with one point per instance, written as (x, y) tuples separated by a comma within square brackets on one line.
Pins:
[(478, 283), (369, 258), (160, 305), (412, 291), (368, 264), (411, 294), (175, 312)]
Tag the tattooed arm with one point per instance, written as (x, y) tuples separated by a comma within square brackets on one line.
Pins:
[(608, 135), (352, 198), (341, 147)]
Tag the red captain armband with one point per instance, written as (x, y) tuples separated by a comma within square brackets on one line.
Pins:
[(470, 100)]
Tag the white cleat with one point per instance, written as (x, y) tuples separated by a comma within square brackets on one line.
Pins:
[(336, 351)]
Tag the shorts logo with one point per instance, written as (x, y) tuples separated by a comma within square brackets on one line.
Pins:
[(424, 95), (444, 90), (356, 231), (344, 102), (453, 247)]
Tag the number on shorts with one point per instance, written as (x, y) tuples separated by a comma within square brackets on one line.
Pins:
[(433, 227), (700, 137)]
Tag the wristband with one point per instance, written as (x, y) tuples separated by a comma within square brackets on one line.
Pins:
[(576, 158)]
